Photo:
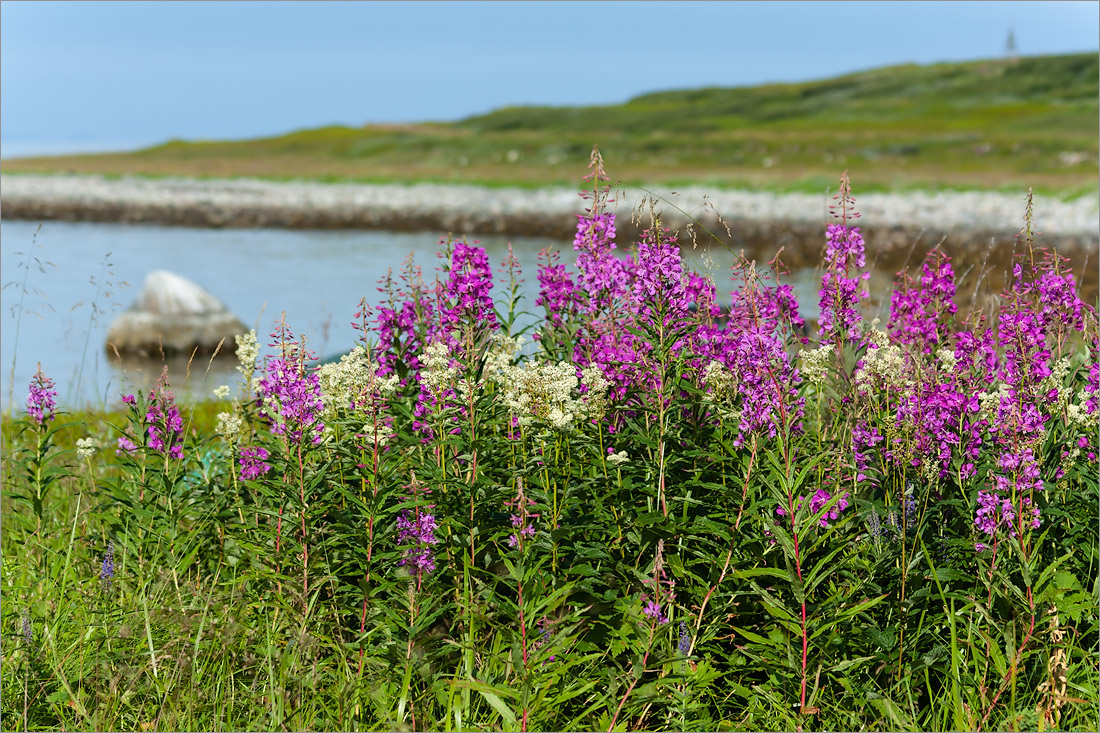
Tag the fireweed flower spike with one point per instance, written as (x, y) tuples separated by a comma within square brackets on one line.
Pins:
[(841, 290), (292, 401), (40, 400), (253, 463), (164, 424), (416, 532)]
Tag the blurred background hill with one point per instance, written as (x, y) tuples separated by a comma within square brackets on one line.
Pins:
[(1003, 123)]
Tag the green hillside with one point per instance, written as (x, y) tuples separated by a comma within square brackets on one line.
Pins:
[(985, 124)]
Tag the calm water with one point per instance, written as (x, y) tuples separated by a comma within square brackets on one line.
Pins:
[(317, 277)]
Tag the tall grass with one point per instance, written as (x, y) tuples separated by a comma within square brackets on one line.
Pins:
[(677, 511)]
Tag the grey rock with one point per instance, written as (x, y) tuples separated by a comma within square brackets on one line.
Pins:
[(173, 315)]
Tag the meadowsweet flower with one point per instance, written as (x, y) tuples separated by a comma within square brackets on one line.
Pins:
[(221, 392), (40, 400), (248, 352), (353, 382), (416, 532), (253, 463), (85, 447), (883, 364), (815, 363), (229, 425), (595, 386), (502, 353), (617, 459), (542, 393)]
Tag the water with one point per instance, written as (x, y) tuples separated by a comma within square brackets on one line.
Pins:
[(316, 277)]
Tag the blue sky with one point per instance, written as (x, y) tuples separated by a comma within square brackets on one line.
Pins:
[(95, 75)]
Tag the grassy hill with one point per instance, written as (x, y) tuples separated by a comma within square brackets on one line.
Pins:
[(997, 124)]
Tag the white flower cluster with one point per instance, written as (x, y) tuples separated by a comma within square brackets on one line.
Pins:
[(989, 403), (883, 365), (353, 380), (723, 393), (502, 353), (248, 351), (221, 392), (815, 363), (1056, 380), (595, 399), (229, 425), (85, 447), (438, 374), (947, 360), (542, 392), (619, 458)]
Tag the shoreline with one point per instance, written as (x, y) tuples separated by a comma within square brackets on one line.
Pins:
[(894, 225)]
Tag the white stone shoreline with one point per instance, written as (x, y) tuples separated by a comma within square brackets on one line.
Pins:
[(974, 217)]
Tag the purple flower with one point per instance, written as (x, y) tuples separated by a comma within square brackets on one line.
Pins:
[(125, 445), (684, 645), (557, 292), (466, 298), (161, 424), (292, 401), (40, 400), (918, 311), (416, 532), (253, 464), (841, 291), (107, 566), (659, 278), (653, 610), (164, 424)]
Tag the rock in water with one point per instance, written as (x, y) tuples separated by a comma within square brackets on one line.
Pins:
[(173, 315)]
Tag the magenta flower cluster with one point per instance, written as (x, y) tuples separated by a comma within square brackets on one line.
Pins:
[(41, 399), (920, 311), (841, 286), (253, 462), (161, 424), (292, 401), (416, 533), (819, 501)]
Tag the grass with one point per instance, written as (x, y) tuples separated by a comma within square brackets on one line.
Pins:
[(660, 518), (990, 125)]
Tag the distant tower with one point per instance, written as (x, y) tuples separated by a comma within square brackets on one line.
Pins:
[(1010, 46)]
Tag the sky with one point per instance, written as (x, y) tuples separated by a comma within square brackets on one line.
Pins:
[(90, 76)]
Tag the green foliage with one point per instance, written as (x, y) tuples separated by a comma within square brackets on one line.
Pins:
[(644, 564)]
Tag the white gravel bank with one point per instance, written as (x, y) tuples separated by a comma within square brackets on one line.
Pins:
[(484, 210)]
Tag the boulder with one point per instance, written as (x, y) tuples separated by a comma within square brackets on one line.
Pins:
[(173, 315)]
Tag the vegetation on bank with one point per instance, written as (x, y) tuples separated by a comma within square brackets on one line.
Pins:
[(996, 124), (672, 510)]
